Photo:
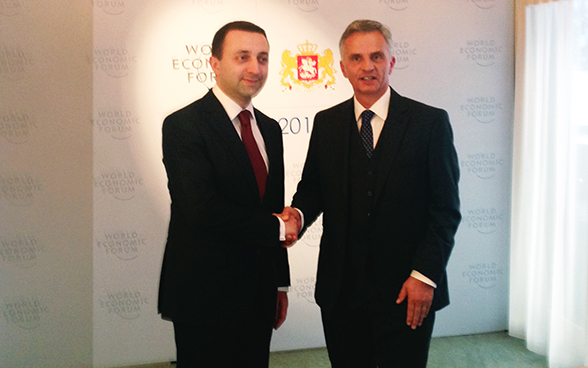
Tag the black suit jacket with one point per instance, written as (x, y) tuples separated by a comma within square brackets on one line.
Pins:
[(416, 206), (223, 242)]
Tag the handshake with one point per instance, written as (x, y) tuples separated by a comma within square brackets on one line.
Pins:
[(293, 222)]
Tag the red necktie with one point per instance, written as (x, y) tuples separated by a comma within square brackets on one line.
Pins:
[(253, 151)]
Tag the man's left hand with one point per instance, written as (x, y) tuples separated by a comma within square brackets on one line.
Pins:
[(281, 309), (420, 298)]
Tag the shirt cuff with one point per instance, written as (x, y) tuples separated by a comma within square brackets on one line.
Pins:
[(282, 229), (301, 217), (419, 276), (284, 288)]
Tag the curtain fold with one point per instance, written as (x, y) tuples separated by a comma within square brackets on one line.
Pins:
[(549, 239)]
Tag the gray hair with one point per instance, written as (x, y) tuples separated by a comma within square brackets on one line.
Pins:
[(365, 26)]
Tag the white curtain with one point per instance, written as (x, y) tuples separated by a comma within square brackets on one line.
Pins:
[(549, 256)]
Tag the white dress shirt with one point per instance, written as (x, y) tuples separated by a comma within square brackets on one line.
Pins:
[(233, 109)]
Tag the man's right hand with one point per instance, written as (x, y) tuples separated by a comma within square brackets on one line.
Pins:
[(293, 223)]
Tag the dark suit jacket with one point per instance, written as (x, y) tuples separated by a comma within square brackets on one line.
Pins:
[(223, 243), (416, 205)]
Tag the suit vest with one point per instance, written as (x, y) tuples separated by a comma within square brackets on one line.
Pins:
[(363, 172)]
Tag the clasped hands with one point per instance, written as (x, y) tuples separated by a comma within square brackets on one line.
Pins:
[(293, 222)]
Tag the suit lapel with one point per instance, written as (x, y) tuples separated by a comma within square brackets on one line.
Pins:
[(340, 149), (391, 139), (273, 149), (219, 120)]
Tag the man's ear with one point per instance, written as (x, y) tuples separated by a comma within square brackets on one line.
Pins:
[(392, 63), (214, 64)]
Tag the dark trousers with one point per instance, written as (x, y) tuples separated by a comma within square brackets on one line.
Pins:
[(242, 341), (372, 334), (218, 346)]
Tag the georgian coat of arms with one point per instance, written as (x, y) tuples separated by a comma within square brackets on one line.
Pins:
[(307, 70)]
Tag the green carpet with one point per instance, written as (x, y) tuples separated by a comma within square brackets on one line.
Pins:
[(490, 350)]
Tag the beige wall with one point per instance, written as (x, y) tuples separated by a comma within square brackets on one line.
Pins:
[(45, 184)]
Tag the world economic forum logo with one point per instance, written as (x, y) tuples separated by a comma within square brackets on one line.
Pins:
[(20, 189), (210, 6), (17, 126), (484, 4), (10, 8), (305, 5), (15, 62), (26, 312), (398, 5), (21, 249), (125, 303), (307, 71), (111, 7)]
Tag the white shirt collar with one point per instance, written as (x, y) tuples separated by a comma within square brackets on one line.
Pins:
[(380, 107), (231, 107)]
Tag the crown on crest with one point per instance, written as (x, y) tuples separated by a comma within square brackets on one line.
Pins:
[(307, 48)]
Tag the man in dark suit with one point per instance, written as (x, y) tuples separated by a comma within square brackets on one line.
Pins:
[(386, 182), (223, 262)]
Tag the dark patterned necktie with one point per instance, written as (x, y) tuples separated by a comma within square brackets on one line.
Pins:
[(366, 133), (253, 151)]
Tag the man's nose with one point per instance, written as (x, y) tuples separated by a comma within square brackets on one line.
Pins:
[(253, 66), (367, 64)]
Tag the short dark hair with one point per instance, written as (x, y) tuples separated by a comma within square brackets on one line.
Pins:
[(366, 26), (221, 34)]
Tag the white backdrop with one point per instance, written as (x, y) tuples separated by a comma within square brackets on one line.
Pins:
[(150, 58)]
